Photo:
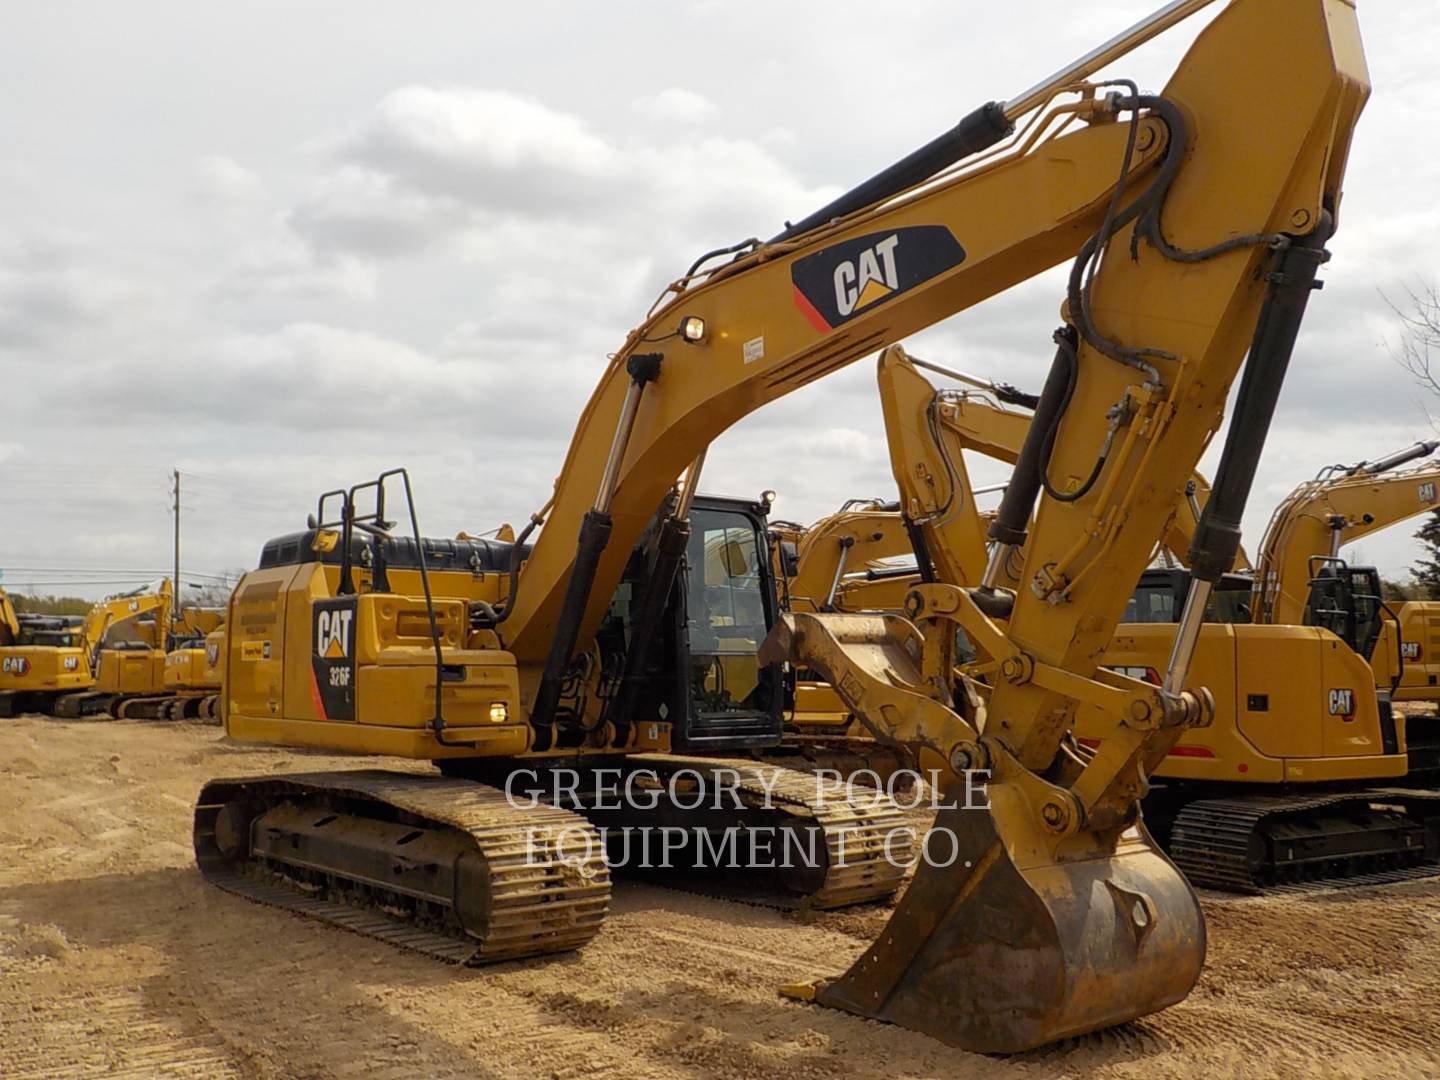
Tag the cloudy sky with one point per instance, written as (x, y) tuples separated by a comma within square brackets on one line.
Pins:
[(281, 246)]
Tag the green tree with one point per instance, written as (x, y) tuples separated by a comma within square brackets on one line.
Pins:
[(1426, 572), (1400, 590)]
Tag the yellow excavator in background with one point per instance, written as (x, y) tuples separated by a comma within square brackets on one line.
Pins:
[(929, 431), (1309, 771), (125, 639), (830, 566), (1301, 577), (861, 535), (192, 675), (1194, 220), (149, 661), (41, 657)]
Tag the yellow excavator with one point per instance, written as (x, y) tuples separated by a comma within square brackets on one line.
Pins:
[(192, 674), (124, 638), (1195, 221), (1301, 576), (1309, 772), (41, 657)]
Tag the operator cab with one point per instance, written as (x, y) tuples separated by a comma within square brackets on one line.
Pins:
[(57, 631), (1346, 600), (1160, 596), (703, 676)]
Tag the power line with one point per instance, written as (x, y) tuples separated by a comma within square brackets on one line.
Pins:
[(86, 570)]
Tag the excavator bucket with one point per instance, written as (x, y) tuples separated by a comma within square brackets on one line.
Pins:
[(1008, 937)]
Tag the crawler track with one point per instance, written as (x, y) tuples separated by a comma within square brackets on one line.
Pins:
[(1256, 843), (510, 883)]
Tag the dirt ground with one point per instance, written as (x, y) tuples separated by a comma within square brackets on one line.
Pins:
[(115, 959)]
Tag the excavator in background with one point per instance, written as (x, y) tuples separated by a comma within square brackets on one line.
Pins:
[(1309, 771), (192, 675), (124, 638), (146, 660), (861, 535), (1302, 578), (825, 567), (1195, 222), (929, 431), (41, 657)]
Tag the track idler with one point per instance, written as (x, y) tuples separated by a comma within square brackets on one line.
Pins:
[(1019, 928)]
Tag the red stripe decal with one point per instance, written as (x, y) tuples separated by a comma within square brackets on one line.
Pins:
[(808, 309), (315, 696), (1190, 751)]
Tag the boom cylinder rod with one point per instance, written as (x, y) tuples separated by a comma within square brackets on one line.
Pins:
[(610, 477), (1012, 521), (1151, 26), (1400, 457), (687, 493), (1182, 652), (846, 543)]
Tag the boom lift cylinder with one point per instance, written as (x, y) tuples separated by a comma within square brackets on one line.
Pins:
[(670, 545), (1217, 533), (1400, 457), (594, 534), (1012, 521)]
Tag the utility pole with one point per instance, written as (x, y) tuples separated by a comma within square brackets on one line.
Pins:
[(175, 582)]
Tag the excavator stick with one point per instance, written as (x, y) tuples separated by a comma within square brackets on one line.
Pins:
[(1010, 934)]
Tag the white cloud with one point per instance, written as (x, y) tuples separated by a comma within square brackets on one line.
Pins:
[(675, 104), (433, 165), (225, 180), (279, 267)]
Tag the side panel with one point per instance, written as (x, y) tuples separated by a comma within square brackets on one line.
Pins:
[(1420, 633), (1275, 688), (255, 644), (131, 671)]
